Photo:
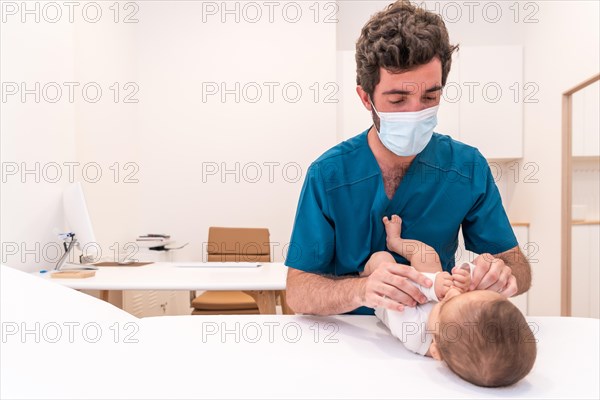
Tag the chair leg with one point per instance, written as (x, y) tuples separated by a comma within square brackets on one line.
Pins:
[(285, 307), (265, 299)]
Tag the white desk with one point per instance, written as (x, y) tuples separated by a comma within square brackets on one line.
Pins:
[(262, 283)]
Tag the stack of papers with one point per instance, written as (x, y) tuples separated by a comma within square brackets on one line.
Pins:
[(153, 240)]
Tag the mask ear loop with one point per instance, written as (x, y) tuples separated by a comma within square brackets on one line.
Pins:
[(376, 112), (373, 105)]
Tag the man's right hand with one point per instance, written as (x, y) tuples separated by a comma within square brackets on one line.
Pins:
[(389, 286)]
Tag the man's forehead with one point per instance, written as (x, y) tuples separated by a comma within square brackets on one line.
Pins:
[(412, 87), (425, 78)]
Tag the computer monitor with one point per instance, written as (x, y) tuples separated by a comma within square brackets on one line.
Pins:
[(79, 223)]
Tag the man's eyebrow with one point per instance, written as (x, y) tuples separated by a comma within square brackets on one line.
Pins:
[(398, 91)]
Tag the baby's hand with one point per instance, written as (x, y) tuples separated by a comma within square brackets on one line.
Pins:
[(461, 278), (443, 282)]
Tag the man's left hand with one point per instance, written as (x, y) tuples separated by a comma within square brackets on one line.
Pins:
[(493, 274)]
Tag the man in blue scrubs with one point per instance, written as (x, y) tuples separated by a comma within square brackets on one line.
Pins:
[(398, 166)]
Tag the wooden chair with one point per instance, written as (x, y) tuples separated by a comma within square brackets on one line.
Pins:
[(239, 245)]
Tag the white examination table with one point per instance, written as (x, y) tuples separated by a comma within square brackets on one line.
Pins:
[(266, 356)]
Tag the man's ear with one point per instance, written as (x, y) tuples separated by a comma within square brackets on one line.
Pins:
[(435, 352), (364, 97)]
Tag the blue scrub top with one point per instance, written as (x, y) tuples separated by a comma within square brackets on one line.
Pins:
[(338, 221)]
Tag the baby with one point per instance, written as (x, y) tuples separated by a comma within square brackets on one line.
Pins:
[(481, 335)]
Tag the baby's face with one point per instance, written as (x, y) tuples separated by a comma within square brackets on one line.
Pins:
[(454, 300)]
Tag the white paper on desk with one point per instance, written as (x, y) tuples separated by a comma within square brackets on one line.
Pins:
[(230, 264)]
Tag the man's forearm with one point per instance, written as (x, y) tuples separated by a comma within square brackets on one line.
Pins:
[(309, 293), (520, 267)]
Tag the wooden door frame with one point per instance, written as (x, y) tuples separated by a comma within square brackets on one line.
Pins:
[(567, 193)]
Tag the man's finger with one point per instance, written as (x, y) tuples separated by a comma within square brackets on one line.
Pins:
[(376, 299), (511, 287), (411, 274), (390, 304), (403, 285), (483, 258), (397, 294), (478, 275), (502, 280), (493, 274), (482, 265)]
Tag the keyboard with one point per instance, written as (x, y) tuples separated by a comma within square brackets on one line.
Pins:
[(229, 264)]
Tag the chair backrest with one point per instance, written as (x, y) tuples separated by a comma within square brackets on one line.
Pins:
[(238, 244)]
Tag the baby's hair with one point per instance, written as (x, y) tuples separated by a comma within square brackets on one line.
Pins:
[(488, 344)]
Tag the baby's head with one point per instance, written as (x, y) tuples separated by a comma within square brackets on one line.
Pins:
[(482, 337)]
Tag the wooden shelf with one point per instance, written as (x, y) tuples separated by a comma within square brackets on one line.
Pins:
[(585, 222), (586, 158)]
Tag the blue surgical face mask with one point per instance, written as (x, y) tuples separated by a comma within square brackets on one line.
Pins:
[(406, 133)]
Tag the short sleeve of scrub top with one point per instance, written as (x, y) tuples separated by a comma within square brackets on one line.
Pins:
[(311, 246), (486, 228)]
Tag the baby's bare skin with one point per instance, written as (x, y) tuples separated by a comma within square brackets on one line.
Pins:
[(422, 257)]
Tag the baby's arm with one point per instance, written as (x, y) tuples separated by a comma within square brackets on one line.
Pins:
[(421, 256), (461, 277)]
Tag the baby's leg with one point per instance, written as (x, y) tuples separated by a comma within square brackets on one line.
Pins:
[(422, 257), (375, 261), (393, 229)]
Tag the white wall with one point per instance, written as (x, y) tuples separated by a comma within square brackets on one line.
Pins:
[(561, 51), (107, 130), (180, 133), (172, 133), (38, 136)]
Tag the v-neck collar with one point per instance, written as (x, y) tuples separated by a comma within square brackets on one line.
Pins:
[(398, 200)]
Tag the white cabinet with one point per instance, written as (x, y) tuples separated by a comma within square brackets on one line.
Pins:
[(482, 103), (154, 303), (585, 279), (149, 303), (522, 234), (586, 125)]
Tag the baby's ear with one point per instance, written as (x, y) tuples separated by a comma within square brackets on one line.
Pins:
[(435, 352)]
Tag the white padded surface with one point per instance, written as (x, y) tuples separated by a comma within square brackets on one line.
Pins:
[(25, 296), (177, 357)]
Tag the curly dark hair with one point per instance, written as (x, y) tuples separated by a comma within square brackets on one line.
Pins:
[(400, 38)]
